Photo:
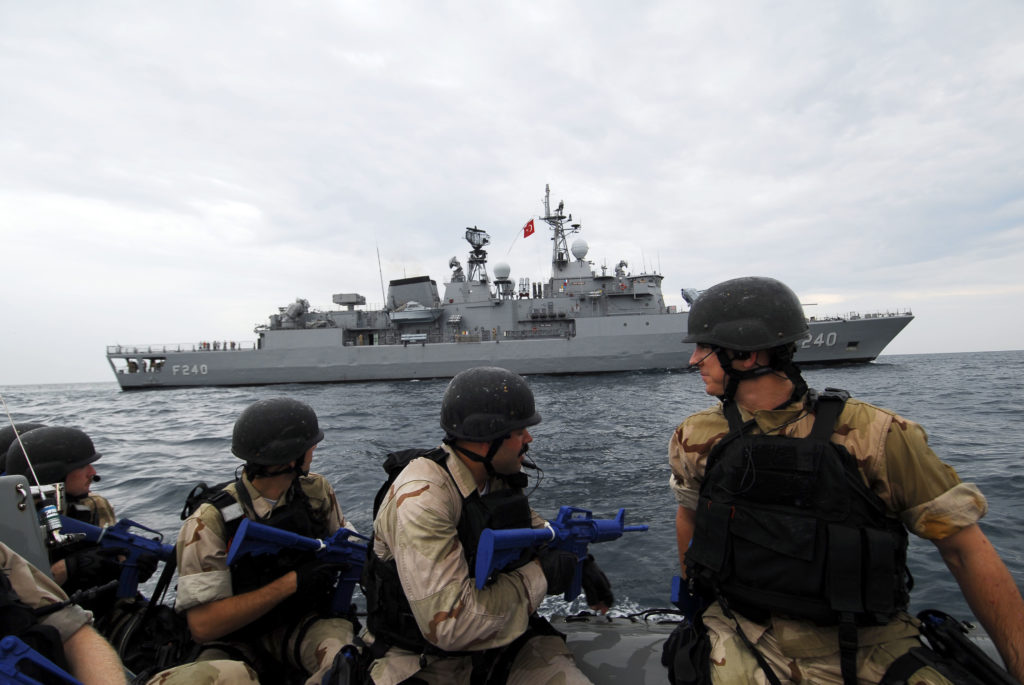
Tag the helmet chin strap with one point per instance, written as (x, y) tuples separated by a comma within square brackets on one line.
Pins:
[(263, 471), (515, 479), (780, 361), (734, 375), (485, 460)]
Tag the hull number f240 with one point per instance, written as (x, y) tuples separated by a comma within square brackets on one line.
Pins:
[(186, 370), (820, 340)]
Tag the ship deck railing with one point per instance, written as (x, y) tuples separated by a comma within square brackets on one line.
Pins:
[(857, 316), (204, 346)]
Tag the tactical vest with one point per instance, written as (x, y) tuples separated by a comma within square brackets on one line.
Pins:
[(18, 619), (389, 616), (787, 526), (251, 572), (79, 511)]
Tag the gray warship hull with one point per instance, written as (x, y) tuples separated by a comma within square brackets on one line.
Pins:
[(599, 346), (578, 321)]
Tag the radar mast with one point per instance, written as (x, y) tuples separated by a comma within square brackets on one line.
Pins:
[(477, 238), (557, 221)]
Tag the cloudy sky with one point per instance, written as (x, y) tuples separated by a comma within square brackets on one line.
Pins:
[(175, 172)]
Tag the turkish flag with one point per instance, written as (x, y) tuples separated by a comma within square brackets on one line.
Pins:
[(528, 229)]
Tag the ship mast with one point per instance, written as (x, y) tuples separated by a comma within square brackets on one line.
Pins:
[(477, 238), (559, 249)]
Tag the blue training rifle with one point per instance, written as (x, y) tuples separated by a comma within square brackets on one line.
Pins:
[(132, 545), (572, 530), (13, 652), (259, 539)]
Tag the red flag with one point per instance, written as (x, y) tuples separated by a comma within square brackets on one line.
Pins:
[(528, 229)]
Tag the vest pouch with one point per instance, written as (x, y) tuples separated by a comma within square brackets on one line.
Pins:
[(507, 509), (886, 584), (499, 510), (687, 654), (776, 554), (710, 538), (772, 470), (774, 532)]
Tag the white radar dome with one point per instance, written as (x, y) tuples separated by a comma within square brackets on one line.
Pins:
[(502, 270), (580, 248)]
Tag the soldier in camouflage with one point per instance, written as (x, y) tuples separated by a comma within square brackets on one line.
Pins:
[(745, 332), (60, 454), (428, 621), (65, 636), (261, 617)]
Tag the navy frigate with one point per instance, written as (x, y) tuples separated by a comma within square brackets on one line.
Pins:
[(580, 320)]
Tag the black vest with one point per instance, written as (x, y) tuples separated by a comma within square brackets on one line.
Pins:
[(787, 526), (252, 572), (18, 619), (389, 616)]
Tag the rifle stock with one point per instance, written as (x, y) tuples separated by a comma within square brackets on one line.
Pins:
[(13, 651), (572, 530), (119, 537), (259, 539)]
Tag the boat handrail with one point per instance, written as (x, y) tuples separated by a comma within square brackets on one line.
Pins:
[(162, 348), (855, 316)]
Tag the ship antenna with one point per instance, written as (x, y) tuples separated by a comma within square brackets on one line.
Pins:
[(380, 270), (559, 249), (17, 436)]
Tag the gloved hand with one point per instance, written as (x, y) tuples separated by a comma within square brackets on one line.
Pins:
[(596, 586), (559, 568), (147, 566), (316, 578), (91, 567)]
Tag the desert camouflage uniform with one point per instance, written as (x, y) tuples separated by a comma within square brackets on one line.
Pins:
[(35, 589), (101, 513), (204, 576), (416, 525), (893, 456)]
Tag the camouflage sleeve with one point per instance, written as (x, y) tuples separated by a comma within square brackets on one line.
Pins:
[(688, 451), (322, 498), (900, 467), (449, 610), (103, 511), (927, 492), (36, 590), (203, 574)]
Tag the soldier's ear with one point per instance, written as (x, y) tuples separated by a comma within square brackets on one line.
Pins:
[(744, 361)]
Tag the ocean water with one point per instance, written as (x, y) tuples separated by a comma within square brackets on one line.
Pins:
[(602, 446)]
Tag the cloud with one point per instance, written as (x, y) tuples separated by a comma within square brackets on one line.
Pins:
[(177, 172)]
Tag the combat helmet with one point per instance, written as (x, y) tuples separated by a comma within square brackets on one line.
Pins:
[(487, 403), (7, 436), (55, 452), (746, 314), (275, 431)]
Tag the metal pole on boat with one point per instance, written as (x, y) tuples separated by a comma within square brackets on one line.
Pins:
[(380, 270), (17, 437)]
